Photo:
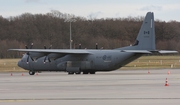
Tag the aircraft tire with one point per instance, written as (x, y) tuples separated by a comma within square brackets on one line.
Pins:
[(92, 72), (70, 73), (85, 72), (31, 72), (78, 72)]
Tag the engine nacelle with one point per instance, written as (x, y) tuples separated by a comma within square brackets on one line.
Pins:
[(36, 55)]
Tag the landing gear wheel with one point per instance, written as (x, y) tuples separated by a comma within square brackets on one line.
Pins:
[(31, 72), (70, 73), (92, 72), (85, 72), (78, 72)]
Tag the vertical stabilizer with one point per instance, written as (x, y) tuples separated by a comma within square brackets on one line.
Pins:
[(146, 36)]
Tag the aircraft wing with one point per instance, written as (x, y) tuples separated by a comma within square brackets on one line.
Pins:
[(62, 51)]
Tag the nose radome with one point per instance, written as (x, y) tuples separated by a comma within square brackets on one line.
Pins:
[(19, 63)]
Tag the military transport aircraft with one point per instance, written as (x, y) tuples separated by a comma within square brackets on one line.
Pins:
[(90, 61)]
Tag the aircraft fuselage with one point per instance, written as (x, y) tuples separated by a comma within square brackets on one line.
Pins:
[(98, 60)]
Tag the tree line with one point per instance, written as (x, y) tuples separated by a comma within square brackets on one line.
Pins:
[(51, 29)]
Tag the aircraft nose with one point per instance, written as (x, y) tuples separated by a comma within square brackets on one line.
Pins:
[(19, 63)]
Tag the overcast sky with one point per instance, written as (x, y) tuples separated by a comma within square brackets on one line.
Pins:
[(165, 10)]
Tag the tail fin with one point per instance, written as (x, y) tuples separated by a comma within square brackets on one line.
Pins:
[(145, 41), (146, 36)]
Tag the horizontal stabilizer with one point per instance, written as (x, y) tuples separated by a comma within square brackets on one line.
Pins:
[(137, 51), (165, 51)]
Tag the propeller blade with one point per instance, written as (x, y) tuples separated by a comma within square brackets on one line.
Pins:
[(45, 59), (28, 59), (44, 46), (50, 47), (31, 58), (79, 46), (28, 53), (96, 45), (49, 59), (31, 45), (26, 47)]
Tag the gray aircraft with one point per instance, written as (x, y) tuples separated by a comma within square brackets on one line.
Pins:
[(90, 61)]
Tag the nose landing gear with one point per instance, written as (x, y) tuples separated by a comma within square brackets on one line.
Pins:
[(31, 72)]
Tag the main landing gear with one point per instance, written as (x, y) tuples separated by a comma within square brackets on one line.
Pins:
[(89, 72), (71, 73), (84, 72)]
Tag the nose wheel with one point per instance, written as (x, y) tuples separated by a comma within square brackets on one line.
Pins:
[(31, 72)]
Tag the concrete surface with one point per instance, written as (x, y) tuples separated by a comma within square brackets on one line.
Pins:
[(121, 87)]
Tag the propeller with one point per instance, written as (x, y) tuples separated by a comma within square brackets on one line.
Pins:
[(46, 55), (46, 58), (29, 53), (44, 46), (49, 47)]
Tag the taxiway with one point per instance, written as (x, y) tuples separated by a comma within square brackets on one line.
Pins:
[(125, 87)]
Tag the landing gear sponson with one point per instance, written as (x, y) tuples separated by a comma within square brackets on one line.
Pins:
[(84, 72), (70, 73)]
